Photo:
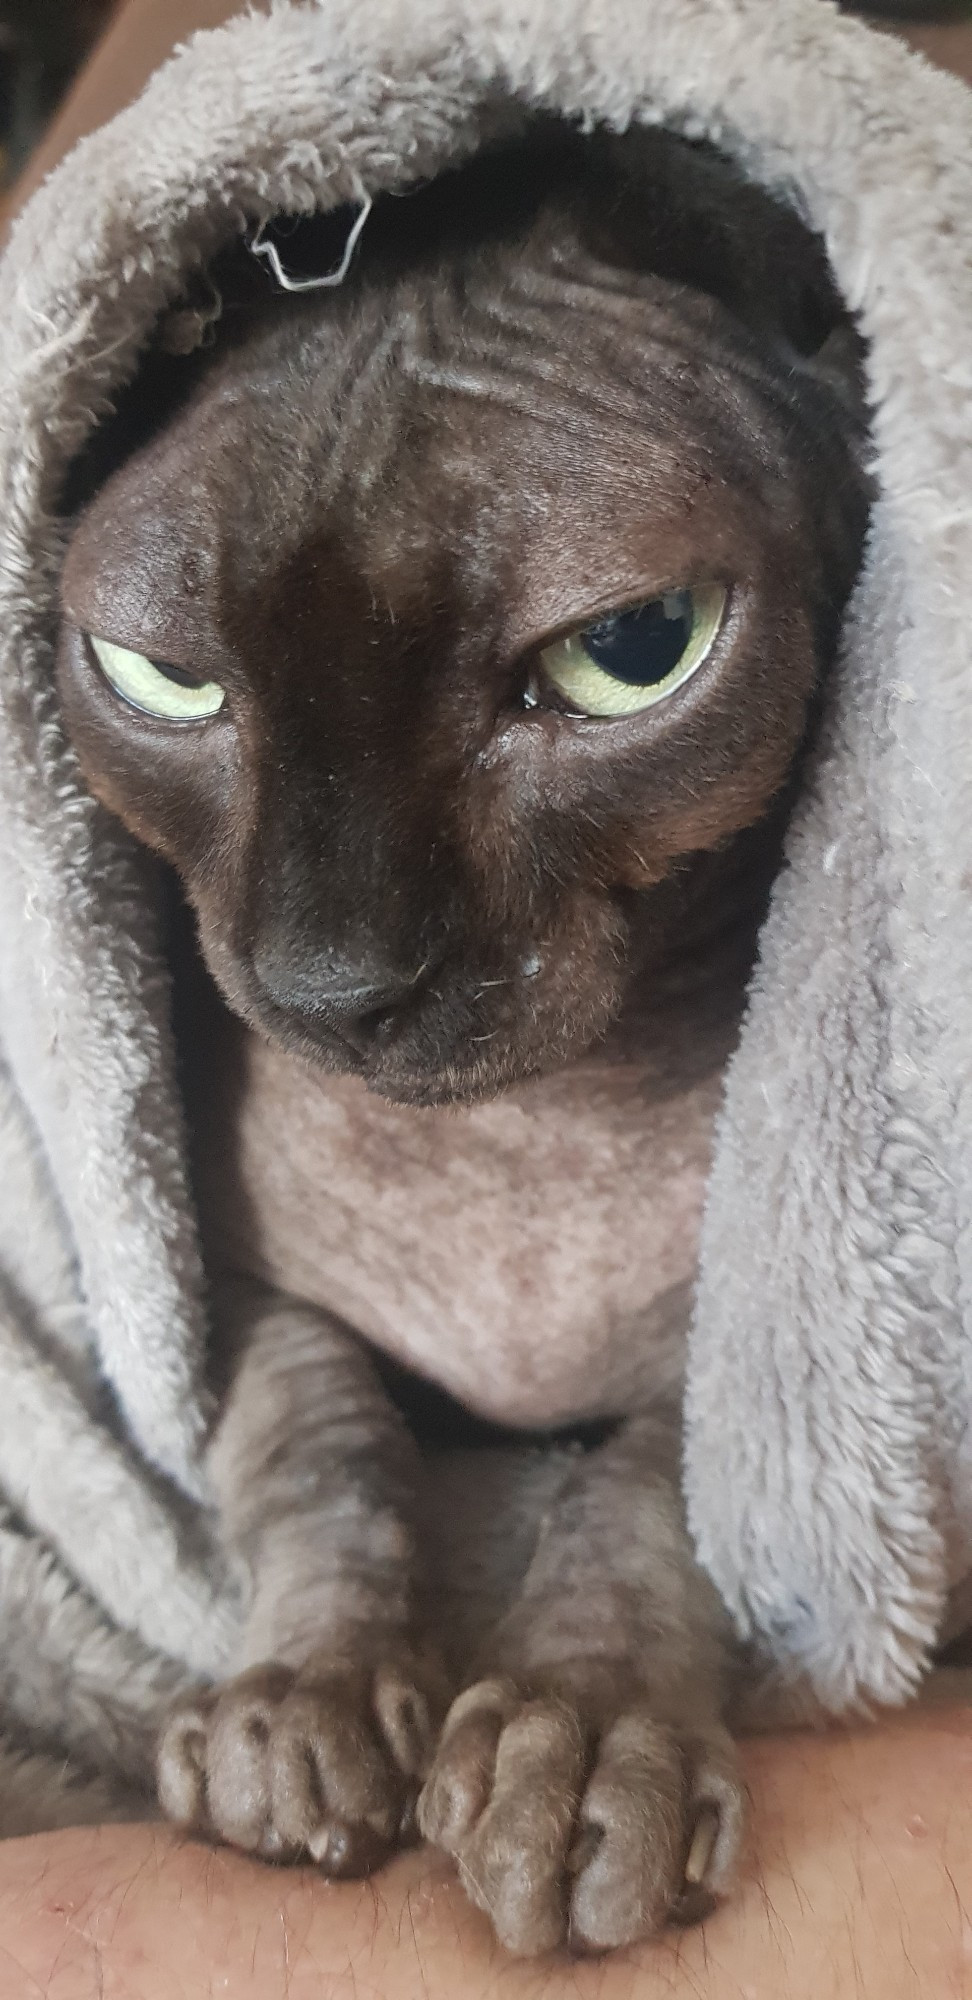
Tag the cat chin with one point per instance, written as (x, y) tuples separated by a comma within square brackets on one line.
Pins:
[(457, 1084), (415, 1080), (416, 1076), (426, 1086)]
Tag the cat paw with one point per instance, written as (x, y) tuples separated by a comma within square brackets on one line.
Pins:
[(320, 1764), (572, 1833)]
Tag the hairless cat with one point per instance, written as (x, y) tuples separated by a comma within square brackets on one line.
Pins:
[(455, 637)]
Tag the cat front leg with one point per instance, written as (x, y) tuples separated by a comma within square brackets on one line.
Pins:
[(585, 1783), (317, 1745)]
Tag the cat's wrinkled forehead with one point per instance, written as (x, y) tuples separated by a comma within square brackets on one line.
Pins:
[(431, 414)]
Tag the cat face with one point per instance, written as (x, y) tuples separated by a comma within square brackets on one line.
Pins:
[(448, 617)]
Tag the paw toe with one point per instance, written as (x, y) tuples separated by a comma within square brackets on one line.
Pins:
[(182, 1764), (565, 1830), (321, 1762)]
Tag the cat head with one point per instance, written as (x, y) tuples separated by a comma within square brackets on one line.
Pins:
[(454, 612)]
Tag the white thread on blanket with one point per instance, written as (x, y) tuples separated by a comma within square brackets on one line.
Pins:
[(261, 248)]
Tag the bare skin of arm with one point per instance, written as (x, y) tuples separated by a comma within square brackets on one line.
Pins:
[(859, 1883), (859, 1876)]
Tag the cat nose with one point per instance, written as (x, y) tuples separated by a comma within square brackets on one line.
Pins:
[(355, 1003)]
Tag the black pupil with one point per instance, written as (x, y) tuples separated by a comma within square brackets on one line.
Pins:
[(177, 674), (642, 647)]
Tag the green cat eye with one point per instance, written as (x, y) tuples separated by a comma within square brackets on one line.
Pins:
[(154, 686), (633, 659)]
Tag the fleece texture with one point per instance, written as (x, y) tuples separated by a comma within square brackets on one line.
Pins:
[(828, 1463)]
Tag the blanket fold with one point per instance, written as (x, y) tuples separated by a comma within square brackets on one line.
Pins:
[(827, 1450)]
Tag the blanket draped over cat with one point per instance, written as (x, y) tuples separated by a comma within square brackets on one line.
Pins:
[(828, 1463)]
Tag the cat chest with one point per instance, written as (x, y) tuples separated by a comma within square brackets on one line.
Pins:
[(532, 1256)]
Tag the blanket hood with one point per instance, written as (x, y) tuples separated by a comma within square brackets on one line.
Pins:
[(828, 1466)]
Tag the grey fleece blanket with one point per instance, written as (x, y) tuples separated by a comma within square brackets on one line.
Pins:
[(828, 1463)]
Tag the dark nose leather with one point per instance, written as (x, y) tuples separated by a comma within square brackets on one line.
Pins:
[(341, 998)]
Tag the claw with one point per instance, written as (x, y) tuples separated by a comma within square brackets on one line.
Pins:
[(700, 1851)]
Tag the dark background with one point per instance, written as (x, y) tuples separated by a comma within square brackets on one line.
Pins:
[(42, 43)]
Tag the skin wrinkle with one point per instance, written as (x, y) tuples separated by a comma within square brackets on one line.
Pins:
[(487, 961)]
